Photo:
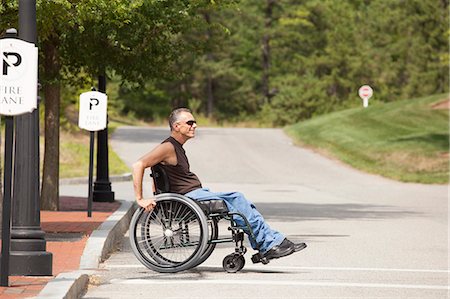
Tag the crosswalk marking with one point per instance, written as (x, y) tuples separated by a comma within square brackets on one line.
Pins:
[(276, 283), (293, 269)]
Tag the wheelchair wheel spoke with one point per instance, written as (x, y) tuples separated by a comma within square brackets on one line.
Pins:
[(153, 242), (180, 208), (183, 251), (188, 217), (171, 237), (145, 240), (156, 217)]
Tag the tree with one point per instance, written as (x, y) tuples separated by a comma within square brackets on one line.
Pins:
[(315, 53), (324, 50), (268, 23), (202, 74), (209, 58), (81, 39), (1, 185)]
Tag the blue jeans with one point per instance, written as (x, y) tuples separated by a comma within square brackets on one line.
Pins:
[(265, 237)]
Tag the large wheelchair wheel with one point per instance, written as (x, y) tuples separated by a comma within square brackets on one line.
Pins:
[(171, 238), (212, 235)]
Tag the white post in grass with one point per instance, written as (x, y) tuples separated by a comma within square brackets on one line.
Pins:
[(365, 92)]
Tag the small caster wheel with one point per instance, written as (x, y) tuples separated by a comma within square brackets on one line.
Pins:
[(232, 263), (241, 262)]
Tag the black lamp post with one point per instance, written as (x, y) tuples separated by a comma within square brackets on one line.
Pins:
[(28, 245), (102, 185)]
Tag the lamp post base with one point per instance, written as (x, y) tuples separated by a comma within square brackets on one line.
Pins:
[(31, 263), (102, 192)]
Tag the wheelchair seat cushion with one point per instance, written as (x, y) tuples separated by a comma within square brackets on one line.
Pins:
[(212, 206)]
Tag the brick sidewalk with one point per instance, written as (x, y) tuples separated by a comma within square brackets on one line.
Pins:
[(67, 232)]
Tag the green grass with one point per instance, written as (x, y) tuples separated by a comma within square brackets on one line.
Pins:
[(74, 157), (74, 146), (403, 140), (74, 150)]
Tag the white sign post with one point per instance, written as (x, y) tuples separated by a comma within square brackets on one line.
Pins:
[(18, 76), (92, 117), (365, 93)]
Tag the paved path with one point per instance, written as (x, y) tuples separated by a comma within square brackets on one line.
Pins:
[(367, 236)]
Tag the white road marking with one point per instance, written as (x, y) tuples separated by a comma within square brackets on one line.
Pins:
[(123, 266), (276, 283), (289, 268)]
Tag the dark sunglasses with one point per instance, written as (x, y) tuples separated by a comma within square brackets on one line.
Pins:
[(191, 122)]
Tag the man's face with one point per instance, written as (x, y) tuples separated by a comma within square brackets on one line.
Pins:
[(186, 124)]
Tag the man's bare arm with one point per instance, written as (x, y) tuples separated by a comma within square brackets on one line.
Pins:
[(163, 152)]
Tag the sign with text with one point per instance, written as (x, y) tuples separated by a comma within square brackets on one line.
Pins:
[(93, 109), (18, 76)]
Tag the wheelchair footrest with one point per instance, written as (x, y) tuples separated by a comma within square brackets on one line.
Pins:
[(259, 258)]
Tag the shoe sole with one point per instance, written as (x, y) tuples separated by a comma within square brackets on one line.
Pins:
[(300, 248), (289, 253), (277, 257)]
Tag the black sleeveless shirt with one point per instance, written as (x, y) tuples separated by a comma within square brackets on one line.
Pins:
[(181, 179)]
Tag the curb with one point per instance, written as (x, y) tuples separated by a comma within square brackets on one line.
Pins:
[(101, 242), (71, 285), (114, 178)]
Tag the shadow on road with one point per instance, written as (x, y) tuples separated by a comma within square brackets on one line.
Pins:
[(303, 212), (202, 273)]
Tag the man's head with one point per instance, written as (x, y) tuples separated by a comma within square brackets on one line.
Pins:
[(182, 123), (176, 116)]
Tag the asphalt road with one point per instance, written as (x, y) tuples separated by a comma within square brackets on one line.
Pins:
[(368, 237)]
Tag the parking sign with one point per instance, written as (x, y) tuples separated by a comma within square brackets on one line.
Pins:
[(93, 109), (18, 76)]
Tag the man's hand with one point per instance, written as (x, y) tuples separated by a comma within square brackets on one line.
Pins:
[(147, 204)]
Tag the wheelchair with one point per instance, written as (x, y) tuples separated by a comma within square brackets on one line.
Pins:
[(181, 233)]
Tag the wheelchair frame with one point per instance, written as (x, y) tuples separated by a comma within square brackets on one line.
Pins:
[(181, 233)]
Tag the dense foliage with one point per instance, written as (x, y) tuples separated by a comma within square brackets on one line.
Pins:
[(268, 60), (321, 52), (79, 40)]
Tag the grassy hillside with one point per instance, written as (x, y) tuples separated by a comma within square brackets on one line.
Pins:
[(74, 157), (74, 147), (404, 140)]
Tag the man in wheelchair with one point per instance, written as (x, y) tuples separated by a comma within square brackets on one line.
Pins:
[(171, 156)]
